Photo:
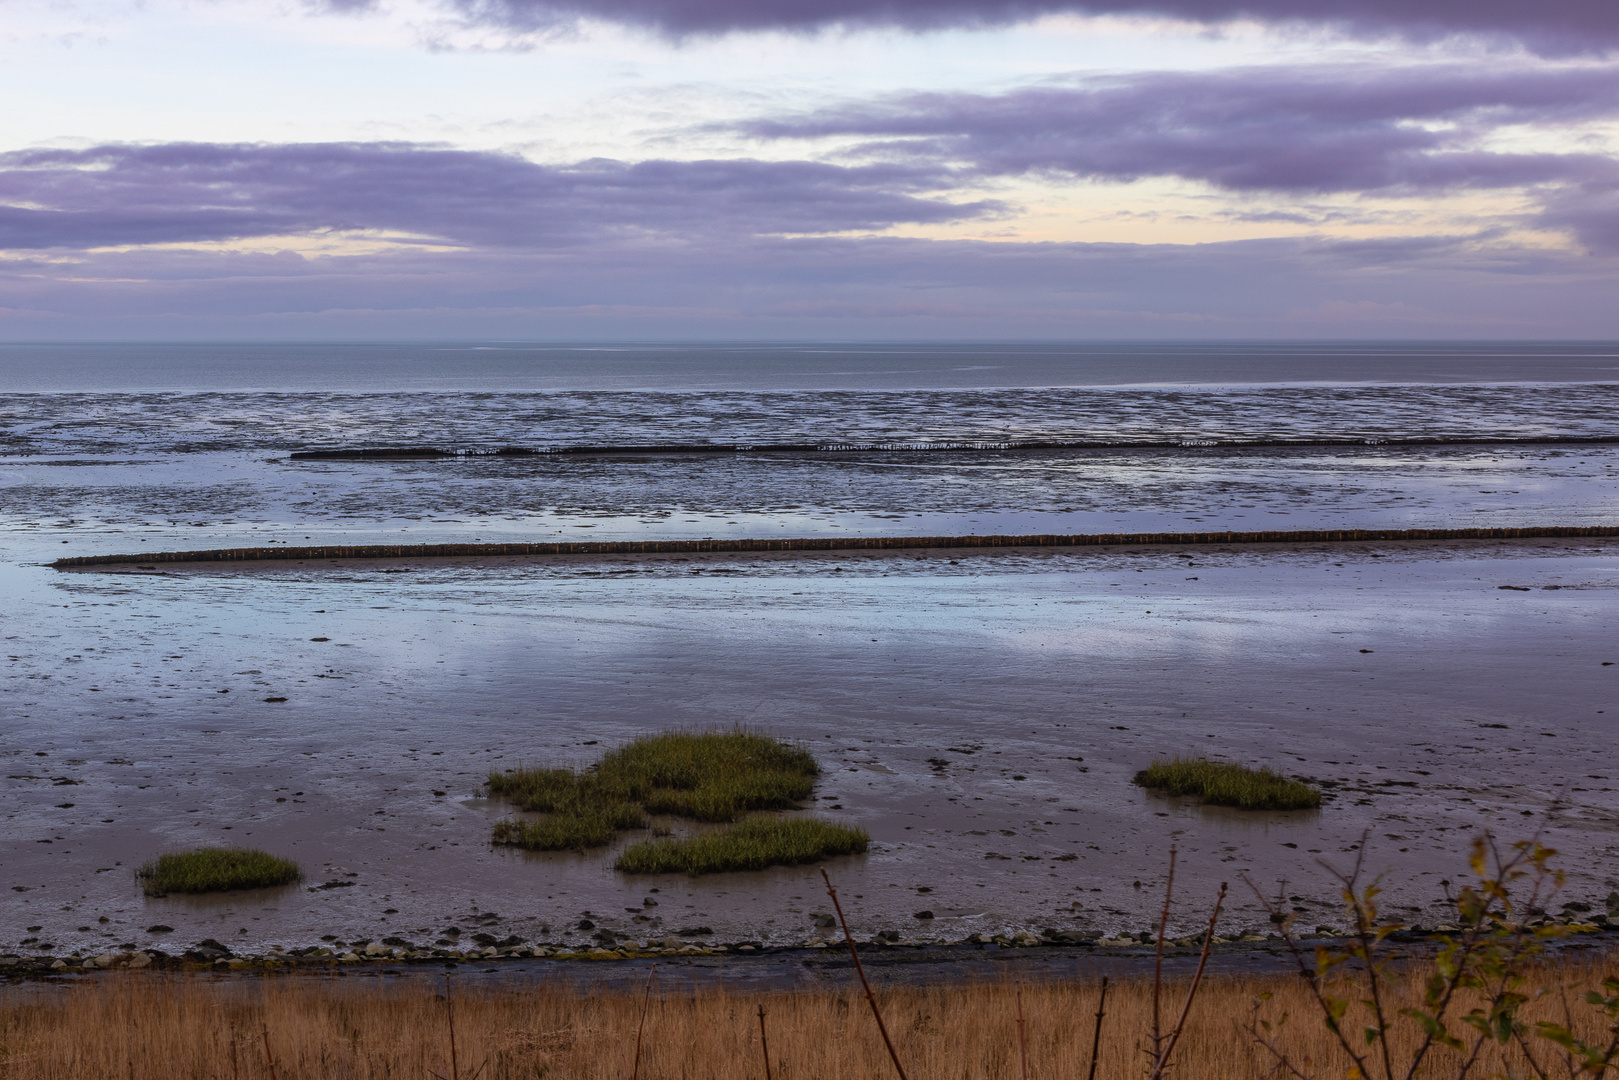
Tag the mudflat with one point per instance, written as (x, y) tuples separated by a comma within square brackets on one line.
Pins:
[(981, 715)]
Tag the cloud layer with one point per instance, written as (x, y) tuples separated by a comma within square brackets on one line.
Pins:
[(1312, 129), (485, 243), (1557, 25), (824, 288), (192, 192), (1294, 131), (1286, 132)]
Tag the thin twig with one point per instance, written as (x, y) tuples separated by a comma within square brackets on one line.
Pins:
[(1022, 1044), (1158, 964), (269, 1057), (764, 1043), (1191, 991), (235, 1070), (1312, 979), (646, 1002), (871, 998), (1096, 1036), (1281, 1062), (449, 1012)]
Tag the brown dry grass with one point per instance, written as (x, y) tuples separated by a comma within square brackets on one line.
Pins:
[(146, 1027)]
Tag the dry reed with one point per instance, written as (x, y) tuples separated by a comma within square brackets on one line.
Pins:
[(129, 1026)]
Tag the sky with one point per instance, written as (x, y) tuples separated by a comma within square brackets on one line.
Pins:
[(808, 169)]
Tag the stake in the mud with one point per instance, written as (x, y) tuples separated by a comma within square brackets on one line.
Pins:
[(646, 1002), (1096, 1037), (871, 998), (764, 1043)]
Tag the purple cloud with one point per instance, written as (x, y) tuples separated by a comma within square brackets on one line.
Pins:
[(823, 287), (1557, 25), (190, 192), (1260, 129)]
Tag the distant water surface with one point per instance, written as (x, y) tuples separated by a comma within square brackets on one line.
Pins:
[(501, 366)]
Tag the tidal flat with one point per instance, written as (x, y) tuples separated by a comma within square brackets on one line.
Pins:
[(980, 713)]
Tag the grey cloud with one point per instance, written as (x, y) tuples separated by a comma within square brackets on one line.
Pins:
[(1550, 25), (827, 287), (190, 192), (1314, 129), (1295, 131)]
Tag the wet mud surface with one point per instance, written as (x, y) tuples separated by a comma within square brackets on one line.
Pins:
[(981, 714)]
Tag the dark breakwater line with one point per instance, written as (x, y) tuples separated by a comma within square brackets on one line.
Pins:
[(398, 452), (833, 543)]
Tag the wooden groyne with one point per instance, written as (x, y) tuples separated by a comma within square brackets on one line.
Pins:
[(831, 543)]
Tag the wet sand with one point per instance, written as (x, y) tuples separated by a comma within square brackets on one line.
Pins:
[(981, 714)]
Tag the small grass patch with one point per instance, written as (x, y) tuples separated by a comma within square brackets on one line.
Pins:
[(1222, 783), (707, 776), (208, 870), (574, 831), (713, 776), (748, 845)]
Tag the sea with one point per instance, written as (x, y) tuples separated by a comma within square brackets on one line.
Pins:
[(981, 714)]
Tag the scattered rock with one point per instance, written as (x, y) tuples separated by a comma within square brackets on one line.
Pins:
[(924, 915), (160, 928)]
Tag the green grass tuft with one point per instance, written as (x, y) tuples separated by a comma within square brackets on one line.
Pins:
[(208, 870), (714, 776), (711, 776), (1224, 784), (570, 831), (748, 845)]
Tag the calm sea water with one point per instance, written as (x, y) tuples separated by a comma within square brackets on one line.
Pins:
[(198, 436)]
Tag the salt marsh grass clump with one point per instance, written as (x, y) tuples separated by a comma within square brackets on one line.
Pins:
[(1222, 783), (207, 870), (575, 831), (707, 776), (748, 845)]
